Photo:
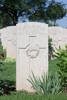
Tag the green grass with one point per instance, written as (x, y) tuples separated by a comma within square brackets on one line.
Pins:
[(53, 66), (27, 96), (8, 70)]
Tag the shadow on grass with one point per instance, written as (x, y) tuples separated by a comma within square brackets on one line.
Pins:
[(6, 86)]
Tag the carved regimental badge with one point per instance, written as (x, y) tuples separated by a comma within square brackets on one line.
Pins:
[(32, 50)]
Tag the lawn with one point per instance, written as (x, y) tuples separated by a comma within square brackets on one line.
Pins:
[(8, 74), (8, 70), (53, 66), (27, 96)]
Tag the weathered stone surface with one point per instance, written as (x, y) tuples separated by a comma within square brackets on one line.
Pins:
[(32, 48), (8, 38), (32, 53), (59, 36)]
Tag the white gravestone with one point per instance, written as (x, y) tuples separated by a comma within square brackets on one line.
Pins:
[(32, 53), (8, 38)]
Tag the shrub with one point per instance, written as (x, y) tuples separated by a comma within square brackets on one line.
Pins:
[(2, 55), (61, 55), (6, 86), (50, 48), (50, 84)]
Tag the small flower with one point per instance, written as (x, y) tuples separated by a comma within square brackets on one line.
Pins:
[(2, 54)]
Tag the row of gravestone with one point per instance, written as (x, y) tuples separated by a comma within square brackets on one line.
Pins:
[(8, 38), (28, 43)]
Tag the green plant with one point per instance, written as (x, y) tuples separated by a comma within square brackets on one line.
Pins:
[(35, 81), (1, 55), (29, 96), (2, 51), (6, 86), (55, 11), (7, 76), (61, 56), (47, 84), (50, 48)]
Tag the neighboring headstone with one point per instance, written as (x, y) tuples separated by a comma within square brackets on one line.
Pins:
[(32, 53), (58, 35), (8, 38)]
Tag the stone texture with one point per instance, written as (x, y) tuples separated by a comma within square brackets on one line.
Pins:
[(59, 36), (8, 38), (32, 53), (32, 48)]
